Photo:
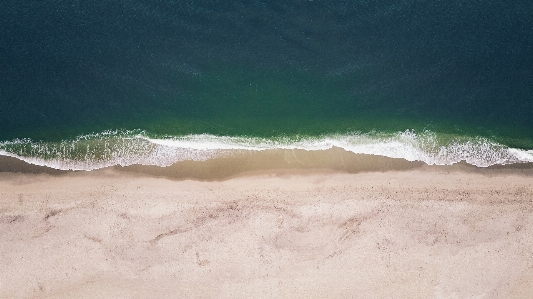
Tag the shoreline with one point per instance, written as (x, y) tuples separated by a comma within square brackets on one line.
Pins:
[(334, 160), (427, 232)]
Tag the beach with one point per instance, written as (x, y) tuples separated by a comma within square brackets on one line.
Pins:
[(266, 149), (422, 232)]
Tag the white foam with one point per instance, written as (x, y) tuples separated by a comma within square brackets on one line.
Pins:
[(125, 148), (407, 145)]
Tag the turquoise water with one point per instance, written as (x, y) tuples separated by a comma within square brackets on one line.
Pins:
[(89, 85)]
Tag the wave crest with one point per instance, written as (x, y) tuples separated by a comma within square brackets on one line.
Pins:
[(120, 147)]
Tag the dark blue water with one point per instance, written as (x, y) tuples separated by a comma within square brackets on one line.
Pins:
[(460, 70)]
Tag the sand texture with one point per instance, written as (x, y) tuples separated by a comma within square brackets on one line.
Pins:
[(420, 233)]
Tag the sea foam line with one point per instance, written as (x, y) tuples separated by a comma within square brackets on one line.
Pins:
[(407, 145), (109, 148)]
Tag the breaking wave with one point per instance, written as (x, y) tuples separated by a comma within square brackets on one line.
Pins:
[(120, 147)]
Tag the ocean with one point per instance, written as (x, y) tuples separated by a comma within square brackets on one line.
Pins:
[(86, 85)]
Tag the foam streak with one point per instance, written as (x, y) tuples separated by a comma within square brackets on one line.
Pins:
[(93, 151)]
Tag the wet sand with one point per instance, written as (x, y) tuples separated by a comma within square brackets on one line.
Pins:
[(424, 232)]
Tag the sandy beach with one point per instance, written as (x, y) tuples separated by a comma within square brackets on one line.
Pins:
[(425, 232), (266, 149)]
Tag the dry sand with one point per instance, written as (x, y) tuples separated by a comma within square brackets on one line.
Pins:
[(421, 233)]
